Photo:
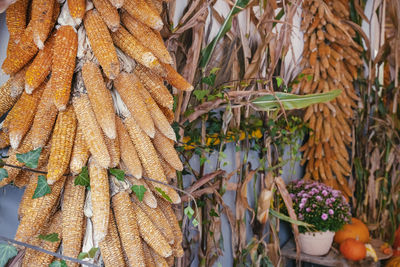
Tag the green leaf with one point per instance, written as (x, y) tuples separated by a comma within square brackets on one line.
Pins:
[(2, 163), (210, 80), (195, 222), (200, 94), (3, 174), (189, 212), (83, 255), (119, 174), (291, 101), (226, 26), (279, 81), (213, 213), (61, 263), (139, 191), (163, 194), (31, 158), (42, 187), (6, 253), (53, 237), (83, 177), (90, 254), (288, 219)]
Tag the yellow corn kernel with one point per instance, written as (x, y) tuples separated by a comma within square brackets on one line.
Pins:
[(4, 140), (110, 247), (109, 13), (155, 5), (141, 11), (77, 8), (65, 44), (147, 37), (16, 16), (169, 171), (42, 18), (61, 145), (73, 221), (129, 155), (127, 86), (10, 91), (80, 152), (45, 118), (25, 202), (102, 43), (128, 228), (114, 151), (91, 130), (148, 198), (158, 260), (29, 253), (166, 148), (147, 255), (175, 79), (100, 196)]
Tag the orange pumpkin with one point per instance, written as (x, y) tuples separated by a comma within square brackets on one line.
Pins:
[(353, 249), (356, 229)]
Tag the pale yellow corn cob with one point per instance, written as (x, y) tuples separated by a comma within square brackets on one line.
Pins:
[(27, 196), (65, 44), (100, 98), (151, 234), (158, 260), (40, 67), (147, 37), (113, 148), (157, 5), (128, 228), (91, 130), (148, 198), (169, 171), (175, 79), (159, 119), (73, 219), (133, 48), (77, 8), (149, 158), (4, 140), (147, 255), (10, 91), (38, 212), (166, 148), (141, 11), (109, 13), (42, 19), (102, 44), (29, 253), (128, 151), (117, 3), (100, 196), (80, 152), (45, 118), (127, 86), (16, 17), (110, 247), (61, 145), (21, 116), (155, 85)]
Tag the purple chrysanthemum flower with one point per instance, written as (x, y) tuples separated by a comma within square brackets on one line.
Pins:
[(331, 212), (324, 216)]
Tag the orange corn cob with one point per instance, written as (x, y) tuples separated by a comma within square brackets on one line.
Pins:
[(128, 151), (42, 19), (148, 198), (117, 3), (73, 219), (128, 228), (156, 5), (102, 43), (114, 151), (25, 202), (166, 148), (77, 9), (40, 67), (109, 13), (141, 11), (91, 130), (169, 114), (100, 98), (100, 196), (21, 116), (61, 145), (10, 91), (127, 86), (80, 152), (147, 37), (65, 44), (147, 255), (45, 118), (4, 140), (16, 19), (149, 158), (176, 80), (110, 247), (158, 260)]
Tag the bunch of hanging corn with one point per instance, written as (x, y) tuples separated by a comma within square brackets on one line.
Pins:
[(87, 86), (330, 61)]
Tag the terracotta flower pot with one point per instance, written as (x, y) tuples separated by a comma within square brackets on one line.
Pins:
[(316, 243)]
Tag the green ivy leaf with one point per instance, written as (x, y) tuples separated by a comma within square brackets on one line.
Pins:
[(189, 212), (210, 80), (3, 174), (119, 174), (61, 263), (195, 222), (92, 252), (200, 94), (139, 191), (83, 177), (53, 237), (31, 158), (279, 81), (6, 253), (163, 194), (213, 213), (83, 255), (42, 187)]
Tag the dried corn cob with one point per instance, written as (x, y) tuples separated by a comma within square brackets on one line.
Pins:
[(4, 140), (100, 196), (110, 247), (117, 3), (147, 37), (77, 9), (109, 13), (66, 44), (169, 114), (101, 43), (80, 152), (29, 253), (170, 260), (16, 17), (91, 130), (166, 148), (100, 98), (73, 219), (149, 159), (141, 11), (128, 151), (128, 228), (61, 145), (27, 197), (169, 171), (113, 148), (127, 87), (10, 91), (158, 260), (175, 79), (147, 255), (148, 198), (42, 19)]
